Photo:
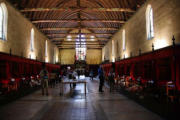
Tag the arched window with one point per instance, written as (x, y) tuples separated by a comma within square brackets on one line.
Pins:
[(54, 55), (113, 55), (3, 21), (117, 49), (81, 48), (46, 51), (124, 40), (32, 40), (46, 47), (149, 22)]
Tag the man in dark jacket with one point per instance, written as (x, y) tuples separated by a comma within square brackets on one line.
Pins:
[(101, 78)]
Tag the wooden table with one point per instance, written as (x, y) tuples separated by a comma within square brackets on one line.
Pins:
[(72, 82)]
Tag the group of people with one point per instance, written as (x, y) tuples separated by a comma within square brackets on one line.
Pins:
[(111, 76), (45, 77), (71, 74)]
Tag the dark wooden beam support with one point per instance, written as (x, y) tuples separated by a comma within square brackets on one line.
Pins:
[(74, 47), (86, 37), (79, 46), (72, 34), (97, 44), (74, 20), (66, 28), (78, 9), (78, 41), (82, 43), (74, 38)]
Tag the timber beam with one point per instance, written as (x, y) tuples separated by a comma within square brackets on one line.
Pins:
[(64, 37), (74, 48), (79, 41), (79, 44), (78, 34), (75, 38), (75, 20), (79, 9), (70, 28)]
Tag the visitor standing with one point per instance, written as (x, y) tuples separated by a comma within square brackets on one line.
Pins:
[(44, 79), (111, 76), (101, 78), (91, 74)]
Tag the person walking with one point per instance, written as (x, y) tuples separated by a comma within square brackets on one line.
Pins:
[(101, 78), (78, 73), (111, 76), (44, 79)]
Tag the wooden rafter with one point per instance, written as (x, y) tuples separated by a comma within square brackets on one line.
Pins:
[(74, 38), (74, 20), (78, 9), (72, 34), (87, 38), (70, 28), (90, 41), (74, 47), (78, 41), (74, 43), (80, 47), (90, 15), (80, 44)]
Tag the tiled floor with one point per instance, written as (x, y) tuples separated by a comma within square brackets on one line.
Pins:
[(76, 106)]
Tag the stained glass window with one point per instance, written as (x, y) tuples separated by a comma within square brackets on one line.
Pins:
[(80, 47)]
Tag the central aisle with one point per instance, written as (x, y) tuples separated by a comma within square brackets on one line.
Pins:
[(75, 106), (95, 106)]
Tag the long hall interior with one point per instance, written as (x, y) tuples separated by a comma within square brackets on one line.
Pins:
[(89, 59)]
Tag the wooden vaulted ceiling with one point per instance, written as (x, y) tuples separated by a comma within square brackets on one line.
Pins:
[(59, 18)]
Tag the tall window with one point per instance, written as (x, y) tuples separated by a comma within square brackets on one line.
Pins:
[(3, 21), (32, 40), (55, 60), (149, 22), (81, 48), (124, 40), (112, 47), (46, 46), (113, 56), (117, 49), (46, 51)]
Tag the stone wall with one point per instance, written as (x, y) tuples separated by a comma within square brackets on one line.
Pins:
[(67, 56), (93, 56), (18, 37), (166, 15)]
